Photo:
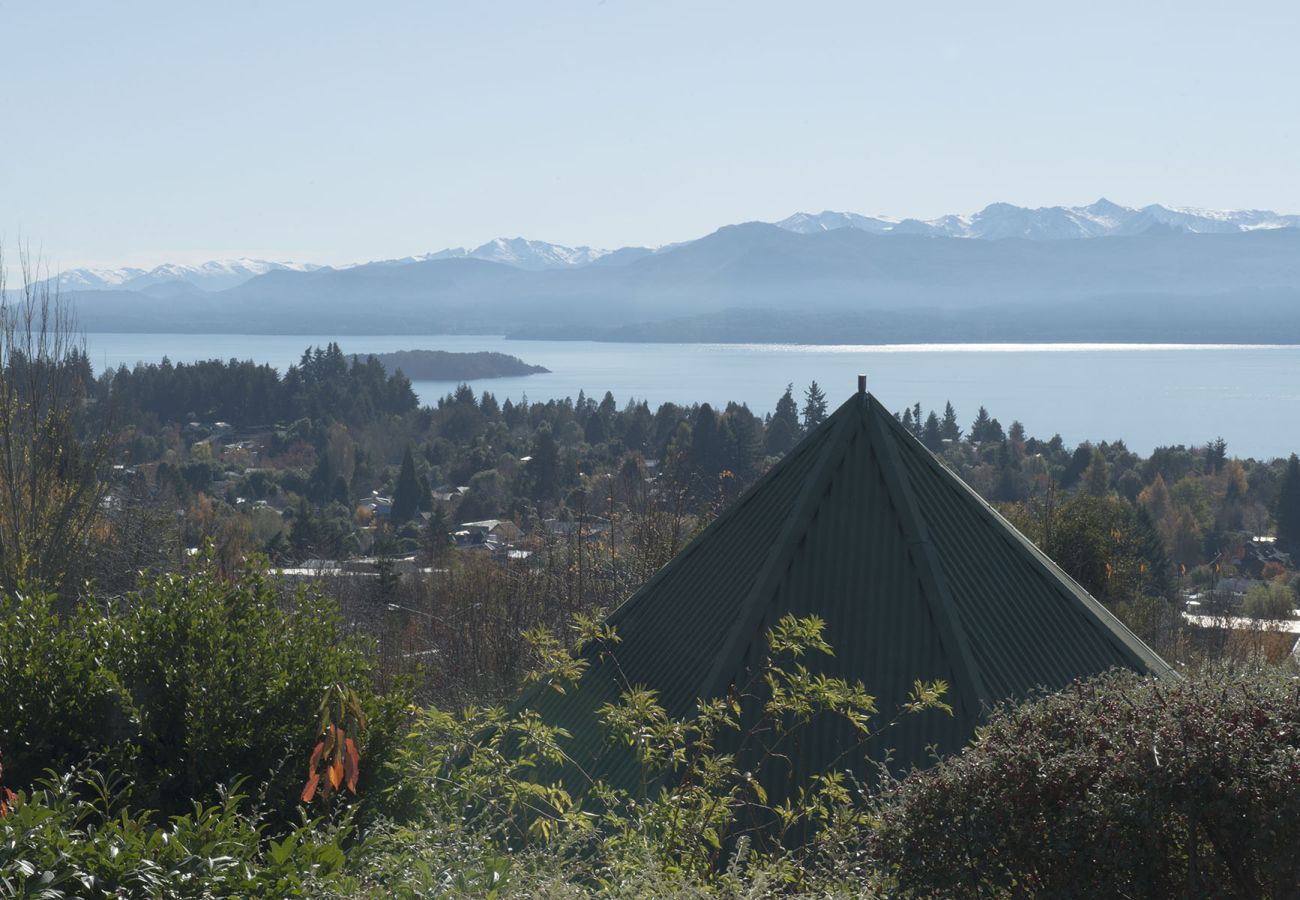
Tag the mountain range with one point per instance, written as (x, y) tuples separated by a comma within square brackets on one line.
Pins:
[(216, 275), (1002, 274), (997, 221)]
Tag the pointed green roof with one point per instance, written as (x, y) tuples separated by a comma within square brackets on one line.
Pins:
[(915, 575)]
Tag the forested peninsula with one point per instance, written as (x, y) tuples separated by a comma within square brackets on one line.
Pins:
[(444, 365)]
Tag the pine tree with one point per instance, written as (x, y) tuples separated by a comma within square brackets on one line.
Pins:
[(1216, 454), (544, 468), (1288, 506), (406, 495), (706, 444), (931, 434), (783, 428), (918, 425), (814, 407), (948, 429), (980, 427)]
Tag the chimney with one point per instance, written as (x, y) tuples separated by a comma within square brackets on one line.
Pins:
[(862, 384)]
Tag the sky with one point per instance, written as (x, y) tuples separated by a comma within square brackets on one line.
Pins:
[(136, 133)]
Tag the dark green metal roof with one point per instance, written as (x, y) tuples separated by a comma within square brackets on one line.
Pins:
[(915, 575)]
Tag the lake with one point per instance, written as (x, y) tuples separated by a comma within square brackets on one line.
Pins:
[(1147, 394)]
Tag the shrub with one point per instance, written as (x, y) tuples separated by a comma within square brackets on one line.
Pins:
[(485, 791), (1114, 787), (58, 702), (183, 685), (77, 836)]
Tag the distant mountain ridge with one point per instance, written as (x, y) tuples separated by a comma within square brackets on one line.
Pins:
[(216, 275), (748, 282), (998, 221)]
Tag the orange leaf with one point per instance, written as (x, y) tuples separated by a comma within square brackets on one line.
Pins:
[(336, 773), (309, 790), (315, 757), (351, 764)]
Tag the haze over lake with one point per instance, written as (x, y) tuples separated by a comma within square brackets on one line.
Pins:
[(1149, 395)]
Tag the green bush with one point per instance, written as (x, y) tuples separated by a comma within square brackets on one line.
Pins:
[(59, 702), (184, 685), (1115, 787), (77, 837)]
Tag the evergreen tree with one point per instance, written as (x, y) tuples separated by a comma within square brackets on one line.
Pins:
[(948, 429), (406, 495), (1288, 507), (341, 493), (814, 407), (979, 429), (931, 434), (994, 432), (595, 433), (544, 468), (1096, 478), (426, 494), (1216, 454), (746, 432), (1077, 465), (607, 407), (707, 454), (918, 424), (783, 427)]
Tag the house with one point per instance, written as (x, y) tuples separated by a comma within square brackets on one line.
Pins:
[(379, 507), (490, 531), (915, 576), (1257, 553)]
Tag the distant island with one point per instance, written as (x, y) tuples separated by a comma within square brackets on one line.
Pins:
[(443, 365)]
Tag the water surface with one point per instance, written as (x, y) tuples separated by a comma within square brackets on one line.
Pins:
[(1147, 394)]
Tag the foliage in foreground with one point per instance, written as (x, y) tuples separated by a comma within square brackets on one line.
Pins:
[(495, 788), (1115, 787), (183, 686), (78, 836)]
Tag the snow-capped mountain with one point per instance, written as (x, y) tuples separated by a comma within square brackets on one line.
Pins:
[(1003, 220), (97, 279), (811, 223), (994, 222), (523, 254), (216, 275)]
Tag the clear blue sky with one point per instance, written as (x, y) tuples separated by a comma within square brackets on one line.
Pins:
[(140, 132)]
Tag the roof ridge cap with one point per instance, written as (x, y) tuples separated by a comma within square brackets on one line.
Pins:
[(934, 583)]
